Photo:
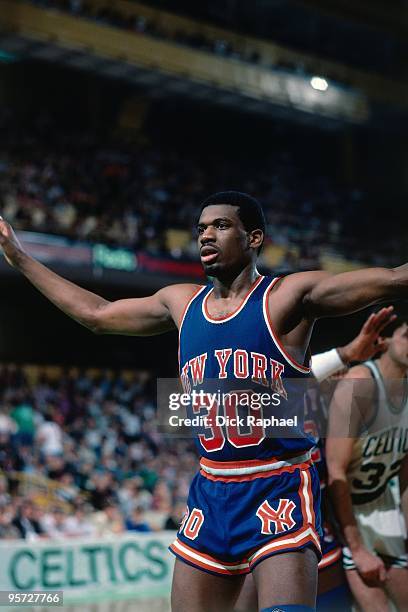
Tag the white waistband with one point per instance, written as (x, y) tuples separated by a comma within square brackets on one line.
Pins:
[(253, 469)]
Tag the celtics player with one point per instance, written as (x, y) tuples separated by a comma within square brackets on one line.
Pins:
[(372, 403)]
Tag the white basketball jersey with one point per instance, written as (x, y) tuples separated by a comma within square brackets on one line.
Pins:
[(378, 453)]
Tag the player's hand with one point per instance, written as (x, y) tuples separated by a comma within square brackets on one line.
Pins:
[(370, 567), (368, 342), (9, 243)]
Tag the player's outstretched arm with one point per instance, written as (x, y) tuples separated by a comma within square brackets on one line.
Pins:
[(306, 296), (349, 292), (140, 316)]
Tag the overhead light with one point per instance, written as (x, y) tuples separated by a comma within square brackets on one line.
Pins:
[(319, 83)]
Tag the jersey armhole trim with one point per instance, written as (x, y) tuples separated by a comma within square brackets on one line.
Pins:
[(292, 362), (183, 316), (379, 393), (187, 306)]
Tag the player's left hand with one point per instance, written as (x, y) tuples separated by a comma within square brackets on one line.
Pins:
[(370, 567), (369, 342), (9, 243)]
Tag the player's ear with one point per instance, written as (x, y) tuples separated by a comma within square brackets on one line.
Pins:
[(256, 238), (383, 344)]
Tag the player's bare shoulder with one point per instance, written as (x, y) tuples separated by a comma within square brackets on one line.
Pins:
[(358, 380), (287, 298), (355, 392), (177, 297), (361, 382), (298, 284), (359, 371)]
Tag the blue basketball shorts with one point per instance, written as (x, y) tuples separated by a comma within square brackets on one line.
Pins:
[(240, 513), (331, 548)]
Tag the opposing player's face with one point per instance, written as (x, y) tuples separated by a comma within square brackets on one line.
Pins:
[(222, 240), (399, 345)]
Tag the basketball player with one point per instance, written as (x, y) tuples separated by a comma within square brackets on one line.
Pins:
[(360, 470), (333, 593), (254, 505)]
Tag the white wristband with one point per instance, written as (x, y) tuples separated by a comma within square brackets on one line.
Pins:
[(326, 364)]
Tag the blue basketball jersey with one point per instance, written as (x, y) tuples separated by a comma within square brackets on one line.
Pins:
[(241, 353)]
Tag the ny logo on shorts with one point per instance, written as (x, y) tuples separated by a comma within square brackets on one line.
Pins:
[(279, 520)]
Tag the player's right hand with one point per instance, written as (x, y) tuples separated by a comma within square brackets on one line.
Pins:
[(369, 342), (370, 567), (9, 242)]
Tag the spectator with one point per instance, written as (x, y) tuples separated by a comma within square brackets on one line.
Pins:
[(6, 452), (4, 494), (101, 488), (8, 530), (109, 521), (175, 517), (8, 426), (54, 523), (49, 436), (79, 524), (26, 523), (136, 521), (22, 413)]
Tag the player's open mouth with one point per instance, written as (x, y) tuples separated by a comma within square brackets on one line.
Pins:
[(209, 254)]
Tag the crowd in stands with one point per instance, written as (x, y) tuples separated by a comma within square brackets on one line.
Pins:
[(80, 455), (141, 25), (60, 181), (357, 45)]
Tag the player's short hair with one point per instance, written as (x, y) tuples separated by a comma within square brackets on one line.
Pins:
[(249, 209)]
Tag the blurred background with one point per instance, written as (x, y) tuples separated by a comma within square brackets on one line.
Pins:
[(116, 120)]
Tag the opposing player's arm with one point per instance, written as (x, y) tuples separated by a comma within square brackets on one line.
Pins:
[(368, 342), (140, 316), (344, 421), (364, 346), (338, 457), (339, 448)]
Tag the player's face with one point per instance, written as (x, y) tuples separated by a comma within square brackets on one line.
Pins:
[(399, 345), (222, 239)]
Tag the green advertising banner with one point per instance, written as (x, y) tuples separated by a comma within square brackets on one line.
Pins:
[(90, 570)]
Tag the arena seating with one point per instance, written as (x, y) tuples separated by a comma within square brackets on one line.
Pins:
[(145, 197), (80, 454)]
